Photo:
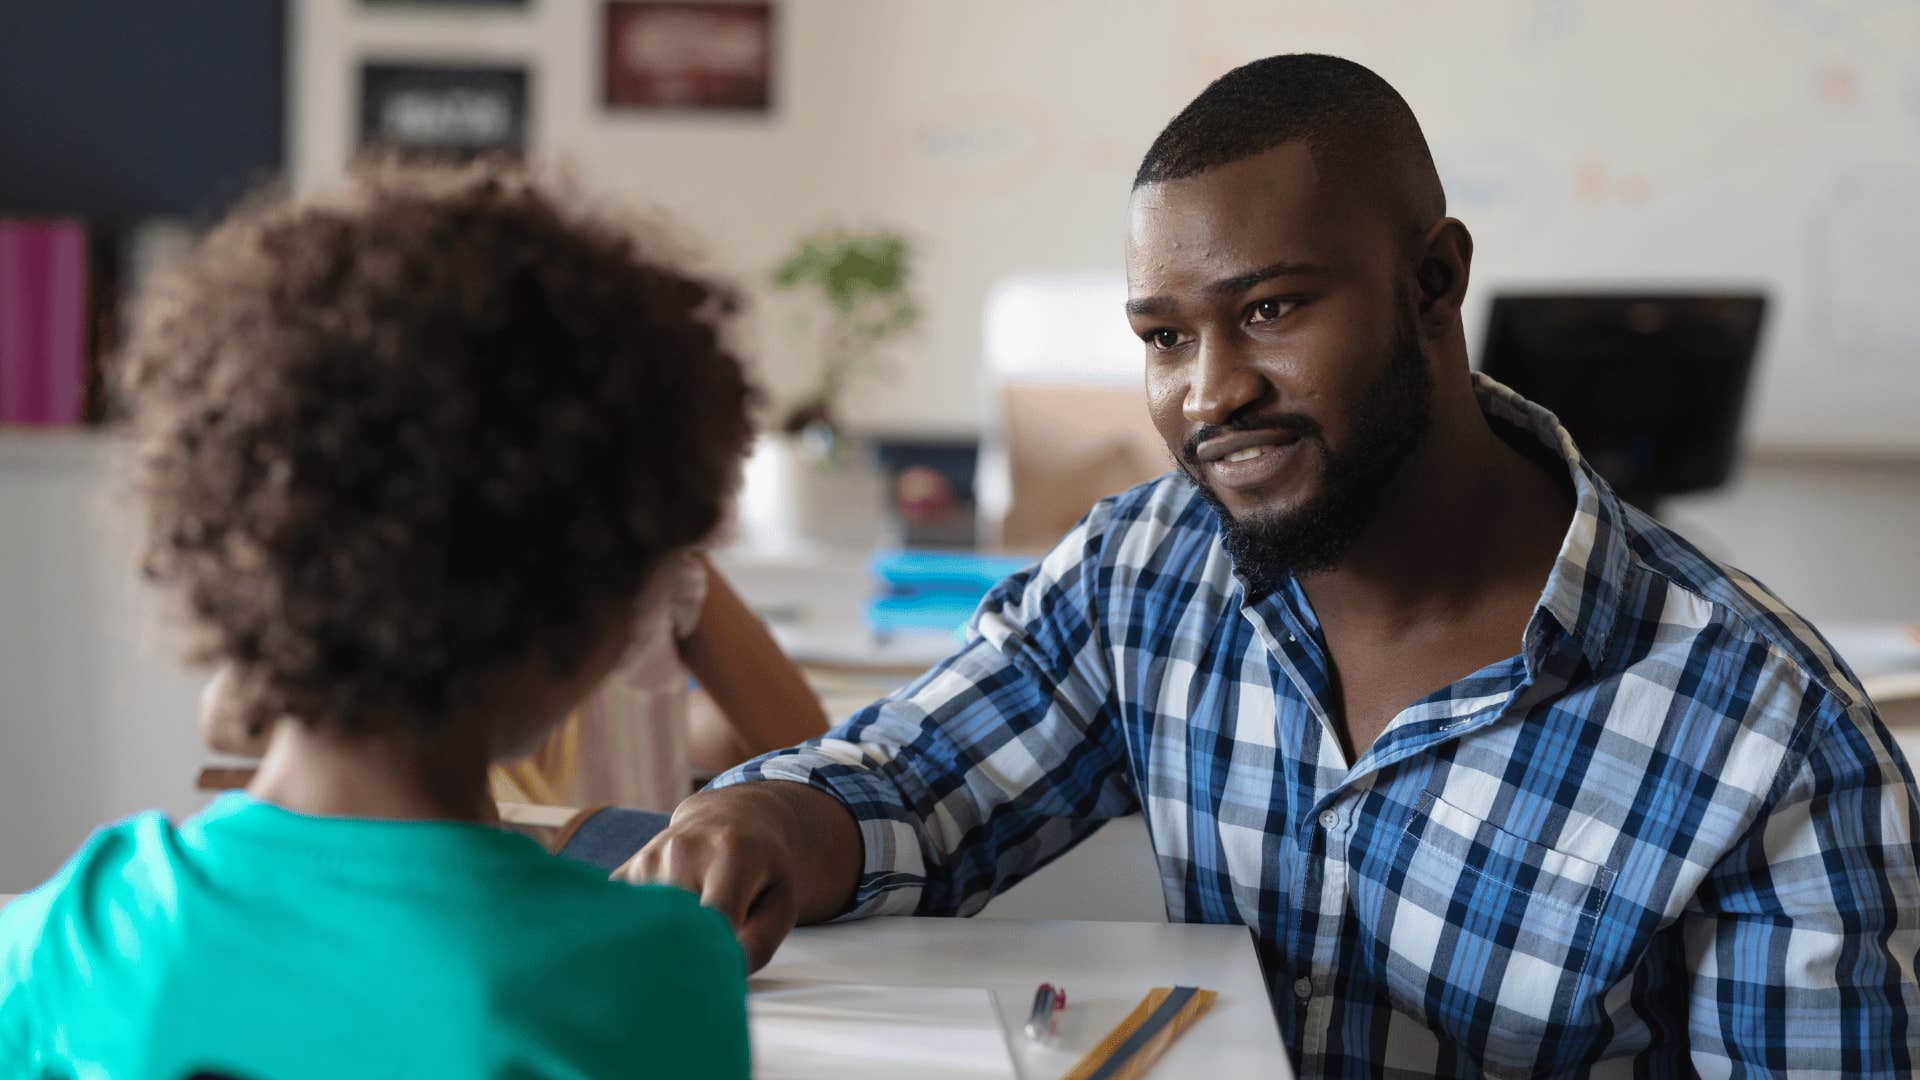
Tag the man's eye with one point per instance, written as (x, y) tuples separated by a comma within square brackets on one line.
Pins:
[(1163, 339), (1267, 310)]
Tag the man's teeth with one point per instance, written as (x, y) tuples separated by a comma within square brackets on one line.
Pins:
[(1248, 454)]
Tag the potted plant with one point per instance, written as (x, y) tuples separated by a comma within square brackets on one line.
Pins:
[(862, 279), (802, 484)]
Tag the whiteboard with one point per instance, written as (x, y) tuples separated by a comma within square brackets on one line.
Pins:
[(1768, 143)]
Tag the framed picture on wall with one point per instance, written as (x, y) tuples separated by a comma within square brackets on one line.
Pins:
[(667, 54), (443, 110), (444, 3)]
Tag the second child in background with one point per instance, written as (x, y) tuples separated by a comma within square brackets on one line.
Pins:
[(638, 741)]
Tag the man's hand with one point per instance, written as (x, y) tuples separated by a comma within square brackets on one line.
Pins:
[(766, 855)]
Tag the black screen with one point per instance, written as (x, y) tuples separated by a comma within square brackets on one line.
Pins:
[(1652, 387)]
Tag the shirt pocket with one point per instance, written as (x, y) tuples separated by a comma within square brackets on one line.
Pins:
[(1491, 935)]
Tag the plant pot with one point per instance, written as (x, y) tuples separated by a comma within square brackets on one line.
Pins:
[(791, 497)]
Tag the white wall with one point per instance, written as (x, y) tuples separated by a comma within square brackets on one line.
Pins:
[(96, 715), (1585, 143), (912, 114)]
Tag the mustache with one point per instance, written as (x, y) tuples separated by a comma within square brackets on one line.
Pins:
[(1299, 426)]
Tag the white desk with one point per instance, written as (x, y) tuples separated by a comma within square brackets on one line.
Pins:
[(814, 599), (1106, 968), (814, 602), (1886, 656)]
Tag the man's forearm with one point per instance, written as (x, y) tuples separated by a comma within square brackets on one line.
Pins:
[(822, 827), (816, 829)]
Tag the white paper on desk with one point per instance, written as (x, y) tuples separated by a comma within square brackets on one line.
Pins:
[(843, 1031)]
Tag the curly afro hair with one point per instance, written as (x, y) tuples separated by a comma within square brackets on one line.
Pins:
[(397, 442)]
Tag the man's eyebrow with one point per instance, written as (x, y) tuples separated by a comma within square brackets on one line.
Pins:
[(1238, 283), (1151, 305)]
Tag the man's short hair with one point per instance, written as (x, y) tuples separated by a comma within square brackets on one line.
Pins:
[(1354, 124), (403, 440)]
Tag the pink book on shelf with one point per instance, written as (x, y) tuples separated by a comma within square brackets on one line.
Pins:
[(43, 322)]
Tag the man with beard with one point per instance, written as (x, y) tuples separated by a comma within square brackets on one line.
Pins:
[(1504, 775)]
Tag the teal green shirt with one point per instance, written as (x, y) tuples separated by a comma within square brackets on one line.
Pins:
[(267, 945)]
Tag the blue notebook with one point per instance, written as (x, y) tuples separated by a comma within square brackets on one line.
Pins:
[(945, 570), (934, 590), (921, 611)]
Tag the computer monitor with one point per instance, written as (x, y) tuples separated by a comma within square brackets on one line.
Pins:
[(1652, 385)]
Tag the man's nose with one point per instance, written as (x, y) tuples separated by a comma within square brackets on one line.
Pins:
[(1221, 385)]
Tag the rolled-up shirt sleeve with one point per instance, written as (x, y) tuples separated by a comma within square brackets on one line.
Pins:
[(993, 763)]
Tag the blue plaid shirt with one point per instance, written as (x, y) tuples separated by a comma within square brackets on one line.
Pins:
[(1669, 836)]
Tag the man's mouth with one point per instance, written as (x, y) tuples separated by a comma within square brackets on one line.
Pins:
[(1236, 446), (1247, 459), (1251, 453)]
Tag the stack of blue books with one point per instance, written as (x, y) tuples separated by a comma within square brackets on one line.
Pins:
[(934, 590)]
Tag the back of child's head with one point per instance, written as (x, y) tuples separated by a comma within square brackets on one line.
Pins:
[(438, 428)]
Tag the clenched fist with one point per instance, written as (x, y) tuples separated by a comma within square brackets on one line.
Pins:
[(766, 855)]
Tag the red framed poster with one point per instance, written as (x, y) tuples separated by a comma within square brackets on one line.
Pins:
[(678, 55)]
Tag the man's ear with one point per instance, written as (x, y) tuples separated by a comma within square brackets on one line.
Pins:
[(1446, 258)]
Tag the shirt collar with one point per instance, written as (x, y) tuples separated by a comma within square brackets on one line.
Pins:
[(1585, 588)]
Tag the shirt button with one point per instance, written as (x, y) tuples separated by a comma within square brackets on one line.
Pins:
[(1291, 640), (1328, 819), (1303, 988)]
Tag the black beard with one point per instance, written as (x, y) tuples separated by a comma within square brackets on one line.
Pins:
[(1389, 423)]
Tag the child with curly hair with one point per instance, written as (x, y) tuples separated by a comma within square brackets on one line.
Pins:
[(420, 466)]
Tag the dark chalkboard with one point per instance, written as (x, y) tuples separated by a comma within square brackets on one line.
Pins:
[(118, 109)]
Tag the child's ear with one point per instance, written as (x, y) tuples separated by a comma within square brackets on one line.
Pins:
[(225, 726)]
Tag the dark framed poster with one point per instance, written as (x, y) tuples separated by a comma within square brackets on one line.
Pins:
[(444, 3), (670, 54), (443, 110)]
